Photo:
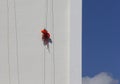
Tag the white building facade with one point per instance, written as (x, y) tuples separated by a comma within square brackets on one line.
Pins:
[(23, 57)]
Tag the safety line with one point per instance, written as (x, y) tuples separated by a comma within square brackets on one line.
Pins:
[(46, 25), (8, 41), (16, 30), (53, 41), (52, 55), (46, 14), (44, 68)]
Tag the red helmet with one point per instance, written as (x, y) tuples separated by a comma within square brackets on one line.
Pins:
[(45, 33)]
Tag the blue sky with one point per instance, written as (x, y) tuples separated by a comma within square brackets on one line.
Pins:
[(101, 37)]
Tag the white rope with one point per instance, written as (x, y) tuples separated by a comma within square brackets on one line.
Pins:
[(46, 25), (8, 41), (18, 72), (44, 68), (53, 60), (52, 55), (46, 14)]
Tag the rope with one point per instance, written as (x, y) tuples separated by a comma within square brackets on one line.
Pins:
[(53, 42), (8, 41), (18, 72), (46, 14), (52, 56), (44, 68), (44, 58)]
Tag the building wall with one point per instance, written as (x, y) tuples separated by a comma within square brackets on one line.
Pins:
[(22, 50), (76, 42)]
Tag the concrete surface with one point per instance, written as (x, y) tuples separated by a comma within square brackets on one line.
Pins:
[(30, 19)]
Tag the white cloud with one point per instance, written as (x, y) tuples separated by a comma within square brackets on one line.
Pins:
[(102, 78)]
